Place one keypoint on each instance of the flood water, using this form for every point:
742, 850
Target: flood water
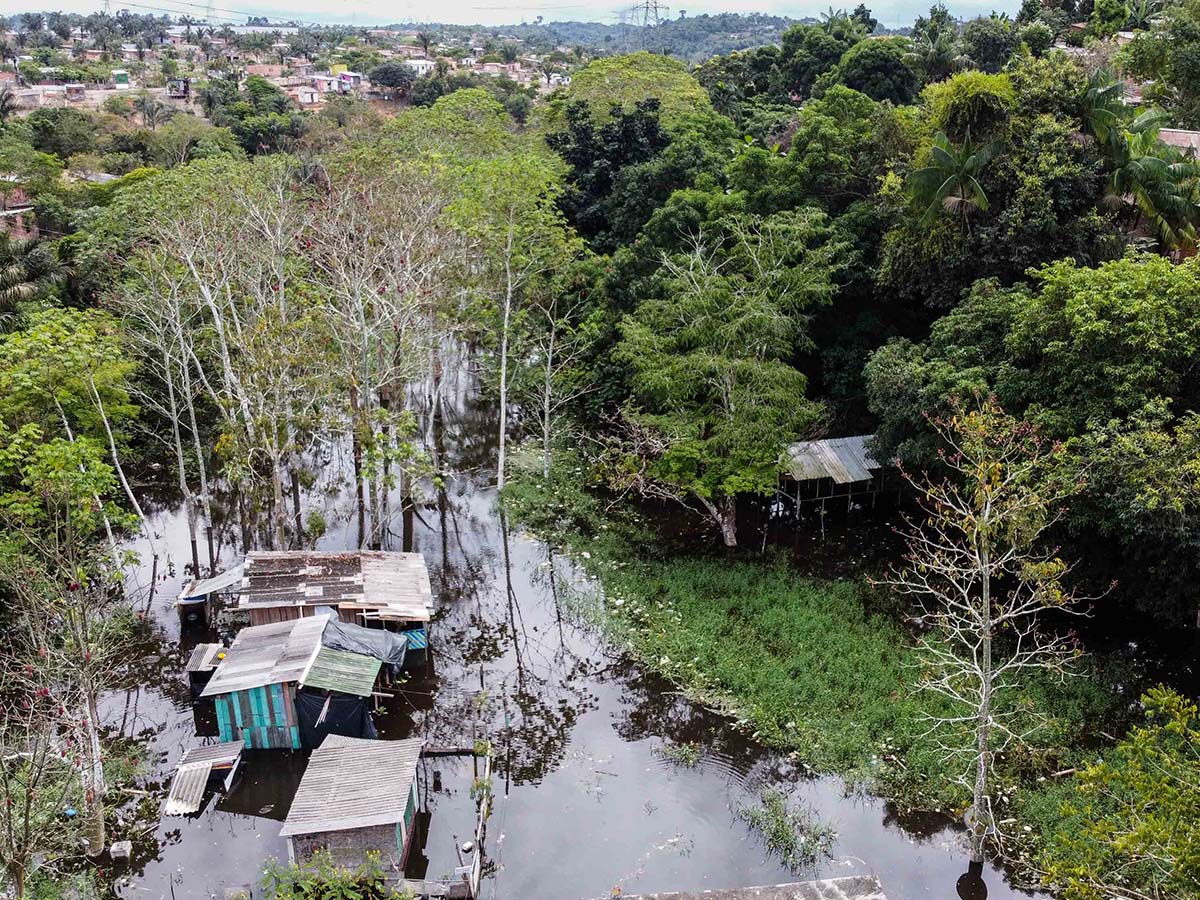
586, 803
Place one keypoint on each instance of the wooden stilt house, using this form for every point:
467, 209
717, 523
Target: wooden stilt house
369, 588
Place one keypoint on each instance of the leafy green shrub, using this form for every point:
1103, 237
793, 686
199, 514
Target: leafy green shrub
970, 102
320, 878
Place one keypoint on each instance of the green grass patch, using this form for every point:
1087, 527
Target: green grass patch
805, 664
686, 755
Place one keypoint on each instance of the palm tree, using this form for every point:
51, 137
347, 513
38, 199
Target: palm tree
1101, 107
154, 111
187, 22
26, 269
1153, 184
936, 54
425, 41
950, 181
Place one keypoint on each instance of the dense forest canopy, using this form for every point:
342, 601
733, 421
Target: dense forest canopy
970, 240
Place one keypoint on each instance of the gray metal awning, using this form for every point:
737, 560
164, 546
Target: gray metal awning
845, 459
213, 585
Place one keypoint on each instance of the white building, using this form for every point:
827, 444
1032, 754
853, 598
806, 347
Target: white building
421, 66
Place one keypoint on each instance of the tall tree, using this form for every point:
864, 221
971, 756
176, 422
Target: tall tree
716, 399
509, 207
977, 567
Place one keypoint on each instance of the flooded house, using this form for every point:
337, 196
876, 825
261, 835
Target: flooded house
279, 687
374, 589
356, 797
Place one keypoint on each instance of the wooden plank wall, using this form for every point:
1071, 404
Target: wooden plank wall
263, 717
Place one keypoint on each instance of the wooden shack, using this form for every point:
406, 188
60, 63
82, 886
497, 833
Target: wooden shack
356, 797
834, 467
276, 686
370, 588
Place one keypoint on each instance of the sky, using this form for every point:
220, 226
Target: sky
488, 12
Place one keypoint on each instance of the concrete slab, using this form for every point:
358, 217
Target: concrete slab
854, 887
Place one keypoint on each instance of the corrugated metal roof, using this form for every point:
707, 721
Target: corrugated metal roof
341, 670
353, 783
267, 654
203, 657
225, 753
394, 585
845, 460
191, 775
217, 583
187, 789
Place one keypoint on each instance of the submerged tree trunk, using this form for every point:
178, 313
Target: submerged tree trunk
94, 785
278, 505
181, 464
299, 521
504, 335
201, 466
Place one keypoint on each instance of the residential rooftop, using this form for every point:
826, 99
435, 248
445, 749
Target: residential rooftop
381, 584
353, 783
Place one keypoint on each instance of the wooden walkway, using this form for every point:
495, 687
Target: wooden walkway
855, 887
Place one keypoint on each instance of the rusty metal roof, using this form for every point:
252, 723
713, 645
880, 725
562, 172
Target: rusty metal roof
845, 459
389, 585
353, 783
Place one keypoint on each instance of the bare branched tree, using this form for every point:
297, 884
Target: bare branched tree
982, 574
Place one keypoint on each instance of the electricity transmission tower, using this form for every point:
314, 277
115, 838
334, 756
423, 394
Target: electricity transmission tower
644, 17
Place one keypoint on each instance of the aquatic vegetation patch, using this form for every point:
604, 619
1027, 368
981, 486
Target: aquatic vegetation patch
791, 831
686, 755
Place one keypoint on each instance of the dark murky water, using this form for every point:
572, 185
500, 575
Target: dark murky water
586, 803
